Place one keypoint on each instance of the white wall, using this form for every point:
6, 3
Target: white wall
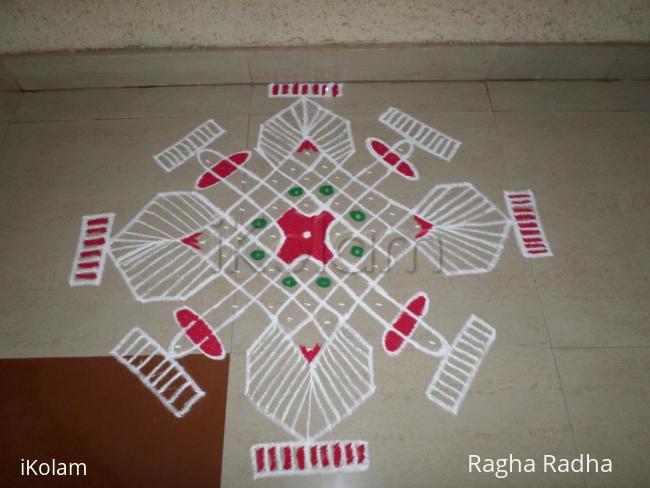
53, 25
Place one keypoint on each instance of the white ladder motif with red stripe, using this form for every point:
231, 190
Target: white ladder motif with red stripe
529, 232
90, 257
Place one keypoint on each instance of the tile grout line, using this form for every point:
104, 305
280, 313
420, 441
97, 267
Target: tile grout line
247, 138
539, 299
248, 131
249, 71
232, 327
502, 149
15, 112
207, 114
579, 348
3, 135
486, 84
114, 119
557, 369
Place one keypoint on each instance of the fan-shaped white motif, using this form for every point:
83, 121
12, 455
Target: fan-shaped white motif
302, 121
159, 252
467, 232
308, 396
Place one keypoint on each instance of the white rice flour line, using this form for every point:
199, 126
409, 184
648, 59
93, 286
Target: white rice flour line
159, 371
308, 396
372, 283
303, 287
276, 372
417, 134
92, 247
308, 90
315, 128
309, 130
133, 243
241, 287
300, 458
185, 149
157, 251
527, 224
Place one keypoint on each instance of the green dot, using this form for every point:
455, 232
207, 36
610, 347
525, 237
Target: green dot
296, 191
357, 251
357, 216
259, 223
323, 281
258, 254
289, 281
326, 190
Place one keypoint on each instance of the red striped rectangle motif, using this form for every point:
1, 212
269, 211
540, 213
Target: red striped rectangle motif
315, 90
325, 457
522, 209
90, 245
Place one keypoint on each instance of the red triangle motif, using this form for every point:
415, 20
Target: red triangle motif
425, 226
310, 353
193, 240
307, 145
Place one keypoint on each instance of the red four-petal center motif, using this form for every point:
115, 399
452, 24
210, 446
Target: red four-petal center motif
304, 234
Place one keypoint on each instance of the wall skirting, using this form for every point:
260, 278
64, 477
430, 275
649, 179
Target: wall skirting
614, 61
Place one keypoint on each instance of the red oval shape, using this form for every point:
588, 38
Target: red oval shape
200, 333
406, 169
378, 146
391, 158
222, 169
405, 324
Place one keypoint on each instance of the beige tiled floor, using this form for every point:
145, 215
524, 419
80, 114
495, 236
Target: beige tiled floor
568, 372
